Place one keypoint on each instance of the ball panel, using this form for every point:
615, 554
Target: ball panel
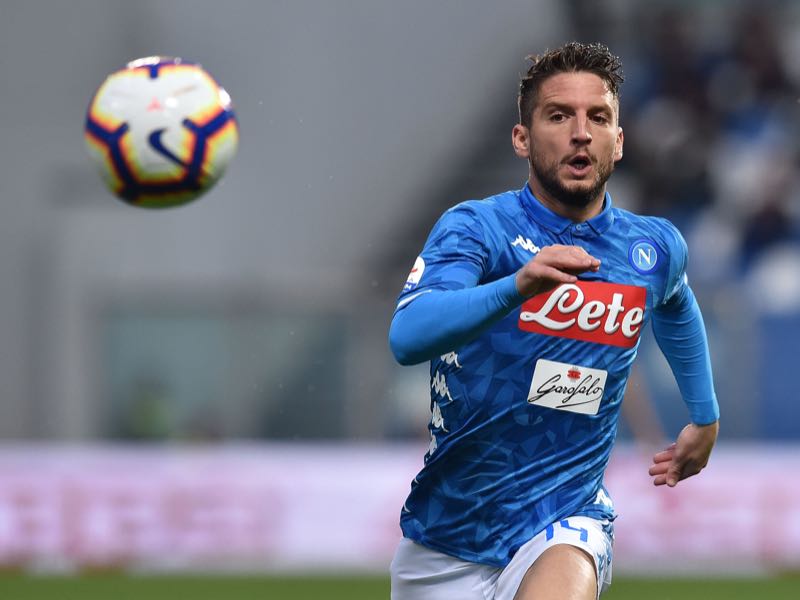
147, 164
167, 200
117, 98
101, 153
221, 146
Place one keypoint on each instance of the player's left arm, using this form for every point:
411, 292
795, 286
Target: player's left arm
680, 332
685, 457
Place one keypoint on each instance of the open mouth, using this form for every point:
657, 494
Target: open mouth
579, 165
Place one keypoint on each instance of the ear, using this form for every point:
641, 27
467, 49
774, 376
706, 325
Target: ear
618, 145
521, 140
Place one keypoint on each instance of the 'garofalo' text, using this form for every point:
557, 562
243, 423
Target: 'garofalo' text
592, 311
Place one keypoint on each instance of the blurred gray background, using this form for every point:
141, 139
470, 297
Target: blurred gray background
261, 310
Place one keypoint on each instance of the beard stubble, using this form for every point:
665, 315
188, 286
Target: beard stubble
578, 197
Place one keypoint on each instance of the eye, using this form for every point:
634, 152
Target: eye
558, 117
600, 119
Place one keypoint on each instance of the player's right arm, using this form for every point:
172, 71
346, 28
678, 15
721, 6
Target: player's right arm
448, 306
441, 320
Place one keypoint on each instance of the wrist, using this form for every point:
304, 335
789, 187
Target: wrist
524, 284
513, 289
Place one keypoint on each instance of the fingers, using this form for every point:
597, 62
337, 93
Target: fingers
666, 474
570, 258
685, 458
675, 464
553, 266
555, 275
665, 469
660, 480
660, 472
674, 475
666, 454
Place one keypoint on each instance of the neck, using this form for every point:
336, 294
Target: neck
576, 214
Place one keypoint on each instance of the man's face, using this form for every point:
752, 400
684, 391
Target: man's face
573, 141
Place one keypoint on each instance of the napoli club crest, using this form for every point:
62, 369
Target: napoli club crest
643, 256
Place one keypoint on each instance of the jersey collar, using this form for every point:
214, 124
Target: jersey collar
558, 224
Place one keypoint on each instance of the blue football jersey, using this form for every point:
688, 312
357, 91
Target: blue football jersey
524, 415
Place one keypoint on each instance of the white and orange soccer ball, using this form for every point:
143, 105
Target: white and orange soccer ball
162, 131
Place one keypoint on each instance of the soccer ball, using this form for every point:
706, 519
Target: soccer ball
161, 130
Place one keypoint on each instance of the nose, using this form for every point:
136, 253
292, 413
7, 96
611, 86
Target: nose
580, 132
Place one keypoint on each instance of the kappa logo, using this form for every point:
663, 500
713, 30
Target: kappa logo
439, 386
591, 311
526, 244
451, 358
437, 420
602, 498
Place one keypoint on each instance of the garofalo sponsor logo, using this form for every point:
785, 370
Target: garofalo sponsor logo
567, 387
592, 311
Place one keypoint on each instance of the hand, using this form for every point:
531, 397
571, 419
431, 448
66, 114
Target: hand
687, 456
551, 267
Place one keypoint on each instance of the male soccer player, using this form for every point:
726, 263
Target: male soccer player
529, 306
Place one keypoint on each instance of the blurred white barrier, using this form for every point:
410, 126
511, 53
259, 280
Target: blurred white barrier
741, 514
281, 507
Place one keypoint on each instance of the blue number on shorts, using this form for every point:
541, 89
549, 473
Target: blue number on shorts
565, 525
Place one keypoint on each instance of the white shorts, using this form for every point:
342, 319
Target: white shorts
419, 573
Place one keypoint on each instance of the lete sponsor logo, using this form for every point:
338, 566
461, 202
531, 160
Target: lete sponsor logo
591, 311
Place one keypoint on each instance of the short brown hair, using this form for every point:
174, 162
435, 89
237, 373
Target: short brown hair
571, 57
